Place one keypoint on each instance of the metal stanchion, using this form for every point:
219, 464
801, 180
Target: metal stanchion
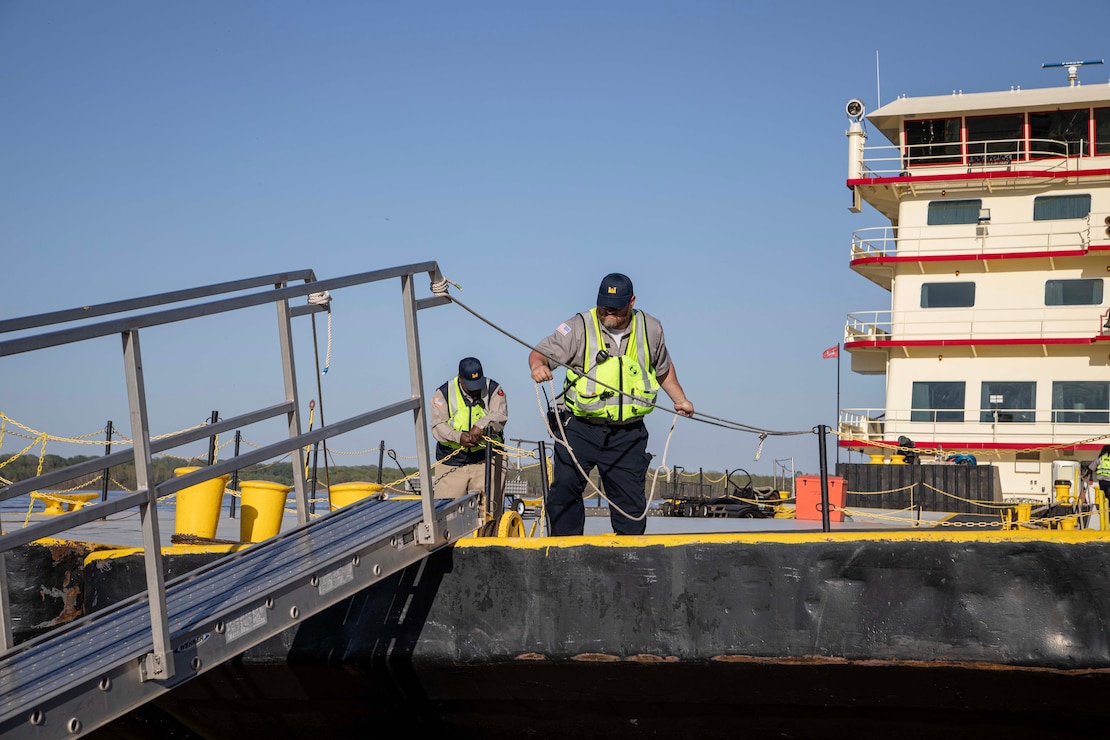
822, 431
107, 451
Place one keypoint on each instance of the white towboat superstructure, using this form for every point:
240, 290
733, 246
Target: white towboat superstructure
996, 342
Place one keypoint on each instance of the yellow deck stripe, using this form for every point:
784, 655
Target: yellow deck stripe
1072, 537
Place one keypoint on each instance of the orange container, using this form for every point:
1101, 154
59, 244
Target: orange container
809, 497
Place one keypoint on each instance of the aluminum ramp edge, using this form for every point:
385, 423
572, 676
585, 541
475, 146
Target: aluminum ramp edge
79, 677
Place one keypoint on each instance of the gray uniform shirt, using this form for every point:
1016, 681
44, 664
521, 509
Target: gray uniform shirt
568, 342
497, 414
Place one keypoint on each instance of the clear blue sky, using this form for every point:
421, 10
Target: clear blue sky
529, 148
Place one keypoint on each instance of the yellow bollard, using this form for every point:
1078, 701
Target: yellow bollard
1063, 492
342, 494
877, 459
262, 507
897, 459
1024, 512
198, 506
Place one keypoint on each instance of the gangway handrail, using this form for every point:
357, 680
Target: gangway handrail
133, 304
130, 323
159, 664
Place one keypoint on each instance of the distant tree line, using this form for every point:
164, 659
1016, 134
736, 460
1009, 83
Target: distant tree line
709, 483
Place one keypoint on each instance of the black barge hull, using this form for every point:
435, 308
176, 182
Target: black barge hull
710, 635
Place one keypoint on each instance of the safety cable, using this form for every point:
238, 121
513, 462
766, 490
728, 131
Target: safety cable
439, 288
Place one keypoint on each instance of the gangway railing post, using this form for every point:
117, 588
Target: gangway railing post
107, 451
7, 640
213, 419
235, 474
381, 460
157, 664
429, 534
289, 372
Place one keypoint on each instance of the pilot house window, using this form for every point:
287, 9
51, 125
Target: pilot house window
1058, 132
934, 141
1102, 130
994, 139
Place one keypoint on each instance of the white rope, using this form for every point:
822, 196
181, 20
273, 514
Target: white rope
566, 443
323, 299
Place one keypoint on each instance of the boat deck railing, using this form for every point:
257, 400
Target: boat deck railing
995, 155
976, 427
112, 661
1013, 238
970, 324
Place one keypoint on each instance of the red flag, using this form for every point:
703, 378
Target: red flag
831, 352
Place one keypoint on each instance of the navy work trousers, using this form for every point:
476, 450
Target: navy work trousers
619, 452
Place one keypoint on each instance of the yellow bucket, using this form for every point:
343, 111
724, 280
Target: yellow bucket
198, 506
262, 508
342, 494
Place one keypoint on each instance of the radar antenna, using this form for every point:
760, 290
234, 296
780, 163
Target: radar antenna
1073, 68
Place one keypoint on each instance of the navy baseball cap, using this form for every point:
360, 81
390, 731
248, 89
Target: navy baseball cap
470, 374
615, 291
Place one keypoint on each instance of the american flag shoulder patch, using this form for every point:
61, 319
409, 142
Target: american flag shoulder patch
563, 329
438, 400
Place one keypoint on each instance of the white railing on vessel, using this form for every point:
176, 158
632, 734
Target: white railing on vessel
1047, 155
975, 239
920, 425
1065, 322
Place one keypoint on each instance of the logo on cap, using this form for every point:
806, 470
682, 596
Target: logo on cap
473, 375
612, 290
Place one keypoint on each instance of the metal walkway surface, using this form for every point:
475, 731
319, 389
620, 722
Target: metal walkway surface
61, 685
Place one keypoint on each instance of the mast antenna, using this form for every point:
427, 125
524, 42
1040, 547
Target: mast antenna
878, 91
1073, 68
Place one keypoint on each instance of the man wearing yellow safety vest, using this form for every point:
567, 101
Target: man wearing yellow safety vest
1100, 469
617, 361
465, 409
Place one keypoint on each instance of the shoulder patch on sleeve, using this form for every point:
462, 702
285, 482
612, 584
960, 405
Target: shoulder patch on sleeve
438, 400
500, 392
563, 329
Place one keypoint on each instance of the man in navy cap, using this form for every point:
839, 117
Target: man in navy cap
616, 360
465, 409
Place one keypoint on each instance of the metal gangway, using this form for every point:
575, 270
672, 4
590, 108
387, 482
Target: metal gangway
82, 675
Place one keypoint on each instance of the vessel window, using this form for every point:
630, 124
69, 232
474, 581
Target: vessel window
945, 212
947, 295
933, 141
1102, 130
937, 401
1085, 292
994, 139
1056, 207
1080, 402
1014, 402
1058, 133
